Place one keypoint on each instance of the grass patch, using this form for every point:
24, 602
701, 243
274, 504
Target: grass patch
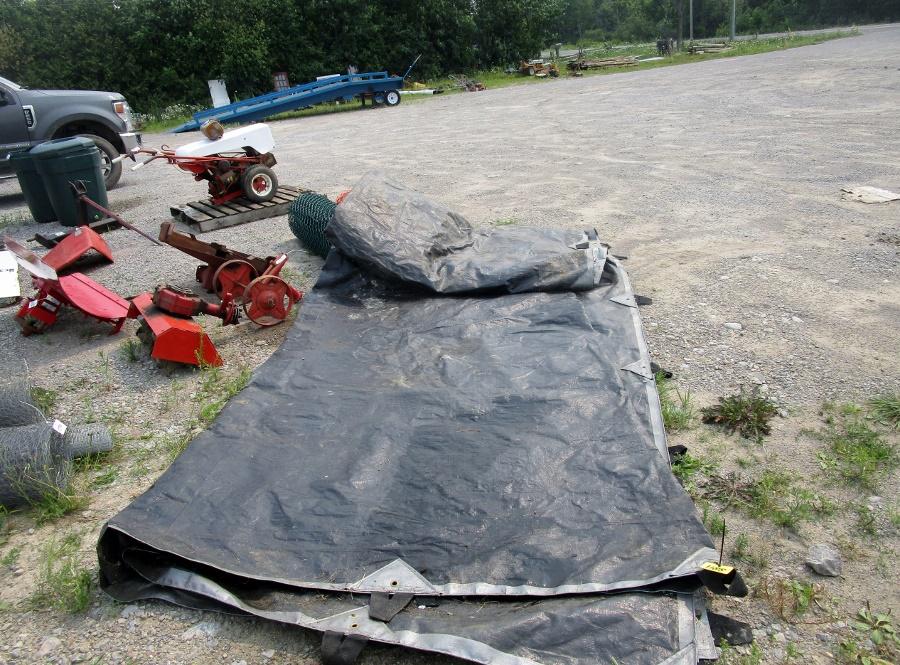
713, 521
216, 389
44, 399
772, 496
753, 554
687, 467
131, 349
886, 410
858, 454
106, 478
746, 412
790, 599
62, 583
730, 656
56, 503
677, 409
10, 558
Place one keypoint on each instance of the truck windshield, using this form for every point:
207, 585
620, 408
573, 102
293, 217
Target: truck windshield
10, 84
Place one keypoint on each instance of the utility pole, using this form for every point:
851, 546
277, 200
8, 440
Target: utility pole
691, 29
733, 12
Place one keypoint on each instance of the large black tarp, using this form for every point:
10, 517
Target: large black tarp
459, 414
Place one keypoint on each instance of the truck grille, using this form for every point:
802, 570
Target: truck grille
29, 116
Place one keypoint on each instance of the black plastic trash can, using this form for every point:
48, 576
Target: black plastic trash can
62, 161
32, 185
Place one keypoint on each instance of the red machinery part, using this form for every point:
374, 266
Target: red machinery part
232, 277
74, 246
187, 304
268, 300
172, 338
77, 291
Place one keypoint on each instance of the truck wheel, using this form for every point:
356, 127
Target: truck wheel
111, 172
259, 183
392, 98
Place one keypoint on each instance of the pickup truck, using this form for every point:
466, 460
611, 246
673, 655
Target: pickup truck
29, 117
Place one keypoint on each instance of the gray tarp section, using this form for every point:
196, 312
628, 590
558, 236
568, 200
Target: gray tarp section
457, 414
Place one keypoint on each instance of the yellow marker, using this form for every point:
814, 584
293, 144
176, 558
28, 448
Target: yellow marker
713, 567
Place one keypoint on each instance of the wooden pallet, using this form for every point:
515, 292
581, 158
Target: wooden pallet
203, 216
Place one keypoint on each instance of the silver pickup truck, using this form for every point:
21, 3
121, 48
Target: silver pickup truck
29, 117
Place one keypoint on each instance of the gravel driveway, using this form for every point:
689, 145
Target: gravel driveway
720, 181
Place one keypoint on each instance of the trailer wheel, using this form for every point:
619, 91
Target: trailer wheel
392, 98
259, 183
378, 98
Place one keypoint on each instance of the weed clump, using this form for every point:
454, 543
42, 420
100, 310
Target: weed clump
886, 410
747, 413
773, 495
790, 599
677, 408
858, 453
62, 583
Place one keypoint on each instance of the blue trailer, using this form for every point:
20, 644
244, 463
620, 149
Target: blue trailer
377, 85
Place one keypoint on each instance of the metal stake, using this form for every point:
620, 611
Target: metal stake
733, 12
691, 30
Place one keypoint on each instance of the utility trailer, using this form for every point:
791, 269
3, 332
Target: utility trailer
379, 86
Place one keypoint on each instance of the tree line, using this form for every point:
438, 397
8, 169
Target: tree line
160, 52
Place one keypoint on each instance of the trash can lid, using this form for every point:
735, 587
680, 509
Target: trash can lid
73, 145
20, 156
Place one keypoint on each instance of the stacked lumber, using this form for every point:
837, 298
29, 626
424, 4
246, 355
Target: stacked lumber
602, 63
707, 47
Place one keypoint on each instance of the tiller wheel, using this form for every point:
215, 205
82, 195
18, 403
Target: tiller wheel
268, 300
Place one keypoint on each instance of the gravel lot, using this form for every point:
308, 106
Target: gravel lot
720, 181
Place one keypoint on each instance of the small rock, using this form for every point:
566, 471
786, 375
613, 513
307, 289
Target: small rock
268, 654
130, 611
202, 629
874, 502
779, 637
824, 560
734, 326
832, 281
48, 646
796, 319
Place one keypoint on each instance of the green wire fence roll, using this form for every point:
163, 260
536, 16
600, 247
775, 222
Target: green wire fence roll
308, 217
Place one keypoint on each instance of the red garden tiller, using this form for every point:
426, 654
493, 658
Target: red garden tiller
235, 163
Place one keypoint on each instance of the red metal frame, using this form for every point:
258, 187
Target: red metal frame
77, 291
74, 246
206, 168
176, 339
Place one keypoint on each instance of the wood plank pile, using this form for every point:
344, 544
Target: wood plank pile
603, 63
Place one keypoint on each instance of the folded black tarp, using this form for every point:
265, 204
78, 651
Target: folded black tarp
464, 415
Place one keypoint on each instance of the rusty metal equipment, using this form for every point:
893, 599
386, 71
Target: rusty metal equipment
40, 311
180, 302
223, 267
234, 163
172, 338
538, 68
250, 281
